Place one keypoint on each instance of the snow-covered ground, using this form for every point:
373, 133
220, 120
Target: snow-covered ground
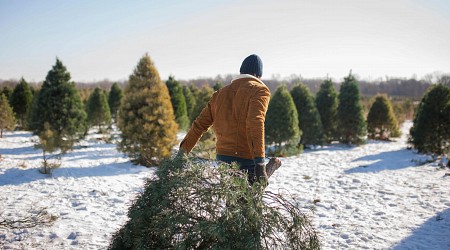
375, 196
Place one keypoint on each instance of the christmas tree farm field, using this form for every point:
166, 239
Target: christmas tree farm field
376, 196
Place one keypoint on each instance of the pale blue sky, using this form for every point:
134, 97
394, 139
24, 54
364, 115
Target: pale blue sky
189, 39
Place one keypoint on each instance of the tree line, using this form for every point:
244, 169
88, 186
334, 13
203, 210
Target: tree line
411, 88
149, 112
296, 119
333, 116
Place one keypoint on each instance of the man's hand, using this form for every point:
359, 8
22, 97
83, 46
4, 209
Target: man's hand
260, 173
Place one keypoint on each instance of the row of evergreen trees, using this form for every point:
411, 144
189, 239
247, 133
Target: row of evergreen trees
23, 100
150, 112
55, 112
188, 101
296, 118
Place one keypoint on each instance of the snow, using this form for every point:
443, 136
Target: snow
375, 196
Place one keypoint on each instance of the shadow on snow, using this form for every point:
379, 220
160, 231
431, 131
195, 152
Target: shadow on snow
18, 176
16, 134
433, 234
330, 147
90, 152
18, 151
391, 160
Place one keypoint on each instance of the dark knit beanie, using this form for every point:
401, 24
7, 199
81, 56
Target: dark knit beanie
252, 65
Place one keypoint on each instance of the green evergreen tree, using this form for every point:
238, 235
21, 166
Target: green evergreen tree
308, 117
20, 101
431, 126
202, 98
114, 97
194, 90
350, 113
281, 125
189, 99
403, 109
58, 104
33, 104
196, 94
146, 116
327, 104
7, 120
33, 90
217, 86
7, 91
381, 121
98, 111
178, 102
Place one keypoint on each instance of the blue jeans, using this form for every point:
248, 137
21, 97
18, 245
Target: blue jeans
245, 165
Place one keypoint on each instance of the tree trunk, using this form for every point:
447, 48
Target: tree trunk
272, 166
98, 123
45, 161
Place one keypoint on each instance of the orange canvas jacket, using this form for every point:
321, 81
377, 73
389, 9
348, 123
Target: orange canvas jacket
237, 113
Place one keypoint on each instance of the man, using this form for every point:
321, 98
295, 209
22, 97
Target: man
237, 113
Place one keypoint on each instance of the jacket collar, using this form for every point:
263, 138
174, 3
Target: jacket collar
241, 76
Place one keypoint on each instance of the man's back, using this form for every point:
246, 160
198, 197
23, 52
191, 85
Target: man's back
238, 112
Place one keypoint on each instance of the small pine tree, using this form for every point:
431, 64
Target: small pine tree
281, 125
33, 90
7, 120
98, 111
399, 113
327, 103
84, 94
308, 117
381, 121
408, 109
202, 98
431, 126
178, 102
21, 100
217, 86
114, 97
49, 143
146, 116
350, 113
189, 99
194, 90
58, 104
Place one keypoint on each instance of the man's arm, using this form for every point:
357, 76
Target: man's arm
201, 124
256, 116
